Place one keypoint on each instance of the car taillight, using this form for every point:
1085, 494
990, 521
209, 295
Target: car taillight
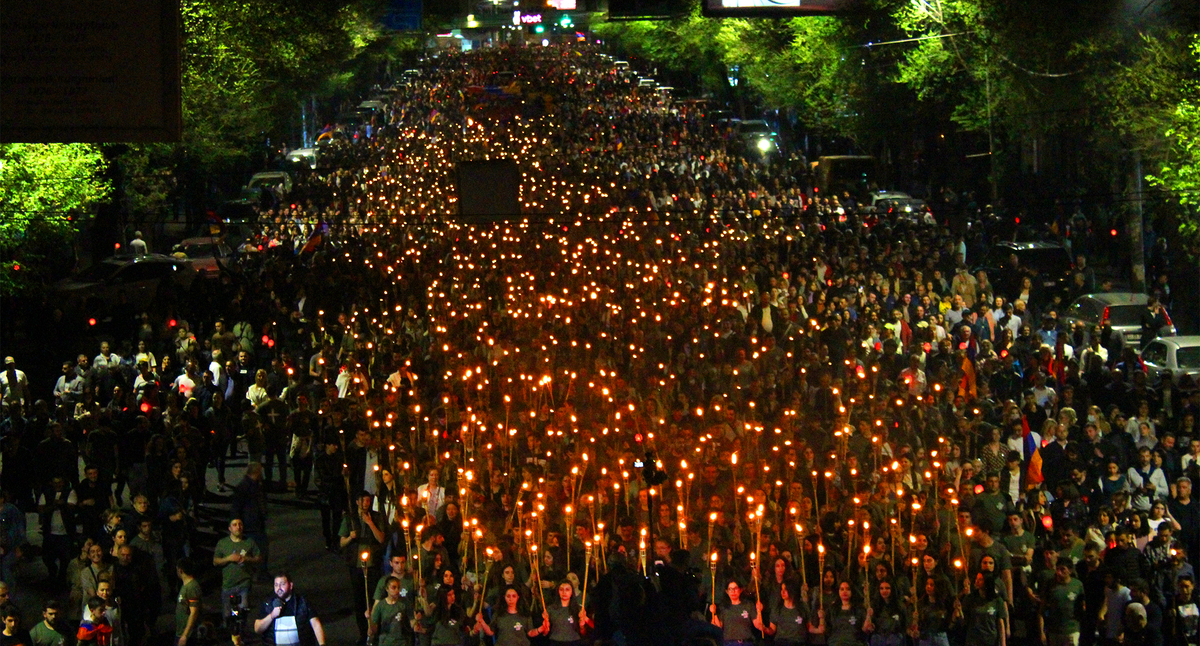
1104, 318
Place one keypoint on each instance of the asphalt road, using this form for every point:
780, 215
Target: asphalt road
296, 545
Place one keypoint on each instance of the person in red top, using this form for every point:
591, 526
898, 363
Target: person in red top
95, 631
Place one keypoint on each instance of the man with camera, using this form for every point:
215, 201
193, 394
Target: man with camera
287, 620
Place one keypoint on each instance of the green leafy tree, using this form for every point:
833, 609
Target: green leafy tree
684, 45
46, 190
248, 63
1179, 172
801, 63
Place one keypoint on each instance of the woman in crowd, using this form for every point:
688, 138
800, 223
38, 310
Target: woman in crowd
845, 619
888, 619
446, 624
935, 613
510, 625
738, 619
984, 612
389, 622
789, 624
566, 617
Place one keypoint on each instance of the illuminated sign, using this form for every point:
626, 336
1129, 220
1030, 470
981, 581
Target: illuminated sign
531, 18
775, 8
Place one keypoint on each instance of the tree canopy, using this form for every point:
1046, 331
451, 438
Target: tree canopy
1179, 172
1066, 96
45, 190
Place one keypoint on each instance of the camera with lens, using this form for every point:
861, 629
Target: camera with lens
234, 623
650, 472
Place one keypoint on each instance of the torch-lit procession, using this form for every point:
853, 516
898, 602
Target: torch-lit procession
679, 396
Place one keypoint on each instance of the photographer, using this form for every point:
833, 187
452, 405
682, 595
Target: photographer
287, 620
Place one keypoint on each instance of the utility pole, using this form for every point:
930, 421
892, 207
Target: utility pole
1134, 220
987, 83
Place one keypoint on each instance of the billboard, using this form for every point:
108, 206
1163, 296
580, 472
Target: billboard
403, 15
775, 8
646, 9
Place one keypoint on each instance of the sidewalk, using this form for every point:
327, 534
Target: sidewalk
296, 545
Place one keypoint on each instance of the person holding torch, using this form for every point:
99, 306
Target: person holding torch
566, 618
361, 538
738, 620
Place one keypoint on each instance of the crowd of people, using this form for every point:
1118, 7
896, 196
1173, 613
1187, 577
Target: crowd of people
679, 398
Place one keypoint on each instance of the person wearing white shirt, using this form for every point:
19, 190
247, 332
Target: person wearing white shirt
1014, 324
14, 385
138, 245
184, 384
257, 393
431, 495
1149, 483
1133, 425
112, 612
914, 377
1193, 455
1016, 441
217, 366
106, 358
1094, 348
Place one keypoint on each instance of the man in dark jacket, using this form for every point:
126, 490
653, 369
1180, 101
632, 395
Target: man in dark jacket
1125, 559
1154, 318
331, 489
250, 504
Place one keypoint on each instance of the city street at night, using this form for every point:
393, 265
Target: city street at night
855, 324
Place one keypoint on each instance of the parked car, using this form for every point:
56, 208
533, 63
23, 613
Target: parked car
1121, 310
303, 156
1172, 358
1048, 262
207, 255
123, 279
270, 180
908, 207
758, 138
371, 106
899, 206
878, 197
236, 233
